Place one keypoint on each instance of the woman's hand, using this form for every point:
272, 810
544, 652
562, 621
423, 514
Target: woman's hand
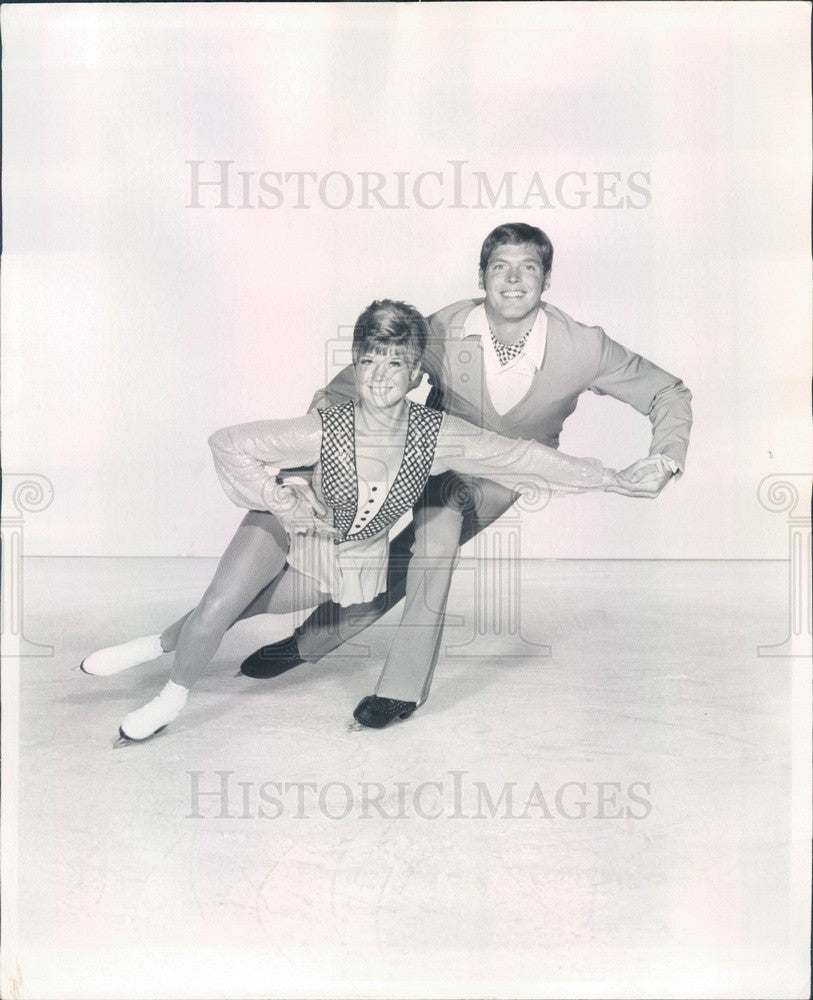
644, 478
300, 511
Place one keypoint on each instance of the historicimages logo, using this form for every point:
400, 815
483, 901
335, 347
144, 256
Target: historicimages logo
225, 184
223, 795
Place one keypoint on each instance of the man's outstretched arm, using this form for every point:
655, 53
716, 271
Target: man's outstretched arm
657, 394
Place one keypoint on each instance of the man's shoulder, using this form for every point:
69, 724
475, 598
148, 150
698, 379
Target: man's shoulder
573, 326
453, 316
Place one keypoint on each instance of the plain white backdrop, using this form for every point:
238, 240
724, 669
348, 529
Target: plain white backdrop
133, 325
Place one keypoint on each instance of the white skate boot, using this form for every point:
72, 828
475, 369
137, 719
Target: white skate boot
154, 716
114, 659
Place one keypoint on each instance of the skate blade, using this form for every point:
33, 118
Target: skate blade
123, 740
80, 666
355, 727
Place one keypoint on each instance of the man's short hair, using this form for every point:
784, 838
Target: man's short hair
517, 232
387, 324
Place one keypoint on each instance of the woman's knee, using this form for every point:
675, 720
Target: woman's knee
214, 613
268, 523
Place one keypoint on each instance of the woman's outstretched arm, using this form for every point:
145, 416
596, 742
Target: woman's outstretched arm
519, 464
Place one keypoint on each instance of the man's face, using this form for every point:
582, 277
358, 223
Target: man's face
382, 380
513, 280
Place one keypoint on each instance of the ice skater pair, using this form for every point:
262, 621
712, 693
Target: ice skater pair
517, 365
372, 457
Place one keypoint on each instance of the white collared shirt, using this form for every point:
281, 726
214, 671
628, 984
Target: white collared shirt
508, 384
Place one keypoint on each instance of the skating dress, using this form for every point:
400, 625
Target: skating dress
353, 567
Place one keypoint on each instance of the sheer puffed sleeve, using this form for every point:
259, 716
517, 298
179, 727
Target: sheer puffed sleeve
524, 466
248, 458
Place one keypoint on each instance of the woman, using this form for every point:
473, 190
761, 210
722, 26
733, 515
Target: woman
371, 461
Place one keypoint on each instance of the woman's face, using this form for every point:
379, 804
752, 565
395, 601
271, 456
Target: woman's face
384, 379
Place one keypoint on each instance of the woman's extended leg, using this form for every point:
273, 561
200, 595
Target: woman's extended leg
114, 659
254, 557
170, 636
290, 591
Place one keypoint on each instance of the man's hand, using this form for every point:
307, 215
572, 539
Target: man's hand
300, 511
644, 478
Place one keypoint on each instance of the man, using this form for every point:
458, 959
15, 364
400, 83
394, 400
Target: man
517, 366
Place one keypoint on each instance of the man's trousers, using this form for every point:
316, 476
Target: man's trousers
422, 559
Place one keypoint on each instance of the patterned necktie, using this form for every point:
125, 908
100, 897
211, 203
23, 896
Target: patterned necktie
507, 352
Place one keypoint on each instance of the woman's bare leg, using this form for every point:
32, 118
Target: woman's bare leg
254, 557
290, 591
171, 635
276, 536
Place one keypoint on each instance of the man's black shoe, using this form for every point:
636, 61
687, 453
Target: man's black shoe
273, 660
378, 712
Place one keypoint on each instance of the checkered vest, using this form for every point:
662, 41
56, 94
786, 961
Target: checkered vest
340, 486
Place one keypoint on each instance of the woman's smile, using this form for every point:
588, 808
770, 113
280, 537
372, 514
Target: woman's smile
384, 379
